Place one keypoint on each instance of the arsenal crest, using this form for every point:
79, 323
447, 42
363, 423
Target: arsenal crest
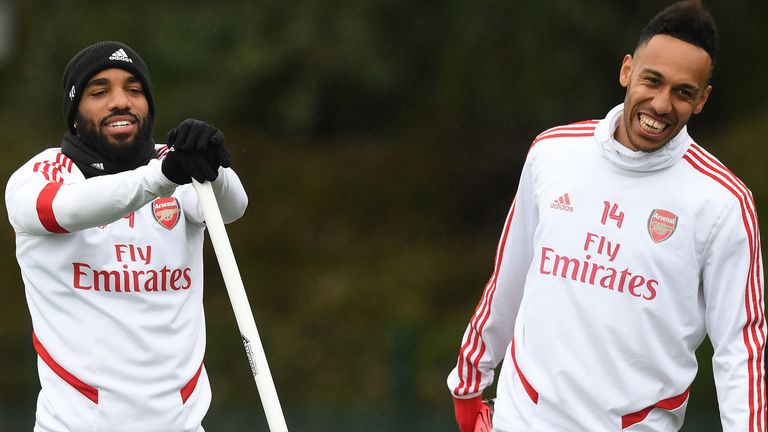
166, 211
661, 225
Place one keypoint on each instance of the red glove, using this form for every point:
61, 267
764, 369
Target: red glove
466, 411
484, 418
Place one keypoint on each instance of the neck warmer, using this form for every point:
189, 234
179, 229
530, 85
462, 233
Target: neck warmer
625, 158
93, 164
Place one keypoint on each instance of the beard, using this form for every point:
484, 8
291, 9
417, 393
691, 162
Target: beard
122, 151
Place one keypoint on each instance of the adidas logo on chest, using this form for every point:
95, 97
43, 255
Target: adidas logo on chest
563, 202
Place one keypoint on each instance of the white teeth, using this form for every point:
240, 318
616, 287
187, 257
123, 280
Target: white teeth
120, 123
651, 125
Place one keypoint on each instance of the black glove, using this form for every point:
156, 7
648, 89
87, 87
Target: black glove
197, 151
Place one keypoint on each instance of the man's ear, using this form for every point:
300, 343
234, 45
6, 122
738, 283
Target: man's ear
702, 100
626, 70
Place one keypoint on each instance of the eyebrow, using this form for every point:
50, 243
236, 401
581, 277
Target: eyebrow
658, 74
105, 81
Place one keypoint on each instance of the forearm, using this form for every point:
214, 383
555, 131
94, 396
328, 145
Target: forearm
40, 207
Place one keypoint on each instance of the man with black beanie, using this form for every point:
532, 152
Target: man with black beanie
109, 239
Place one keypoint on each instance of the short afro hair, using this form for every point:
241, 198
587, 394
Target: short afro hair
688, 21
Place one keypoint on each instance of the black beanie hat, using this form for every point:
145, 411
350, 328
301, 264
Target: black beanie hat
94, 59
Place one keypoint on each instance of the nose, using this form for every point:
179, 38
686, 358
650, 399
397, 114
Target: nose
662, 102
119, 100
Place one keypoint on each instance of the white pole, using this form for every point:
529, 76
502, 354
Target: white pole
241, 307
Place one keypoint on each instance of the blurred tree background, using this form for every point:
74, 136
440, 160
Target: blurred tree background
380, 142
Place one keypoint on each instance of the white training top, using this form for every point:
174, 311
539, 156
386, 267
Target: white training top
113, 270
612, 267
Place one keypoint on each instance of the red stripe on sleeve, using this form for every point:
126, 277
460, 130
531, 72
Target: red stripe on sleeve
87, 391
45, 208
574, 130
754, 338
474, 347
562, 135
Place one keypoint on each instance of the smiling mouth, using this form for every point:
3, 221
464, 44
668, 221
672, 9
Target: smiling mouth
120, 123
652, 126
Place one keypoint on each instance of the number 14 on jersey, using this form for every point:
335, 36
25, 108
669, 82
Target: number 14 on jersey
611, 211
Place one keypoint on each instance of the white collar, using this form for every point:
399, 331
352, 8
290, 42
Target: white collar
625, 158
